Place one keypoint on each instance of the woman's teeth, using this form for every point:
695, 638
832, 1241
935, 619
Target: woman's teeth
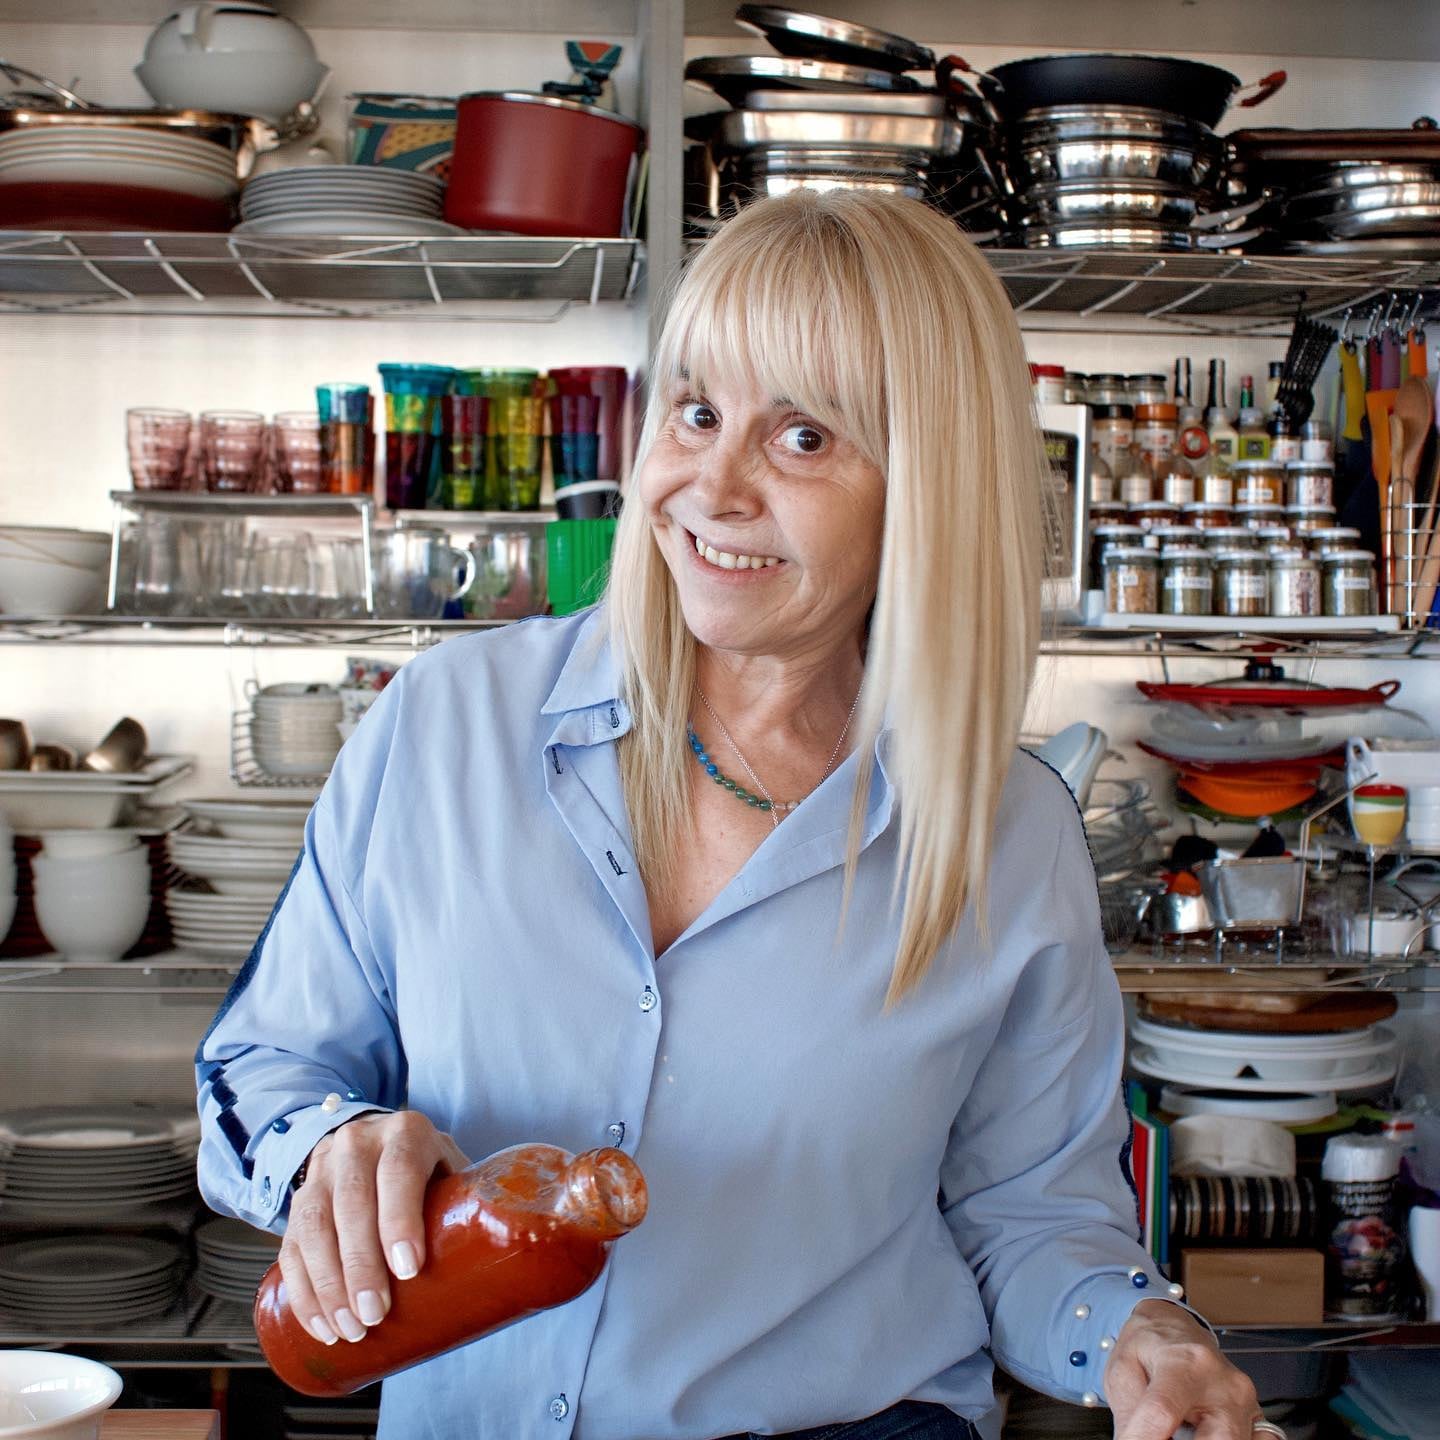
726, 561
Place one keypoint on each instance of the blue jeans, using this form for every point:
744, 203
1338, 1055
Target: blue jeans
909, 1420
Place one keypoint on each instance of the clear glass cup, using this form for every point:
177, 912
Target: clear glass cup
158, 442
282, 576
231, 442
299, 467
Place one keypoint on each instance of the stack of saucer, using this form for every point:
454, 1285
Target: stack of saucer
293, 729
232, 1258
65, 1282
242, 879
344, 200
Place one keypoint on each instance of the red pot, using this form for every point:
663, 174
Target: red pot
539, 165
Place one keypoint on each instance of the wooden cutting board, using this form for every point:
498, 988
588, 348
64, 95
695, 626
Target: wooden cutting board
1324, 1013
160, 1425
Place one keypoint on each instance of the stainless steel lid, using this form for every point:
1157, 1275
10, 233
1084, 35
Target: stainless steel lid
818, 37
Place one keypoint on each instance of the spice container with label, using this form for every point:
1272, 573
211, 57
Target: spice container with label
1230, 537
1162, 537
1242, 583
1075, 384
1177, 487
1258, 482
1108, 537
1188, 582
1310, 519
1107, 390
1132, 580
1148, 389
1259, 517
1294, 585
1349, 582
1337, 537
1108, 512
1364, 1253
1310, 482
1216, 486
1155, 433
1284, 442
1205, 515
1315, 442
1112, 430
1102, 478
1047, 383
1153, 513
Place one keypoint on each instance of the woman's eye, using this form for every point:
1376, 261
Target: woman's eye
803, 439
698, 415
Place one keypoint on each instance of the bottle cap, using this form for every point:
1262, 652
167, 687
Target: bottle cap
1157, 412
1360, 1158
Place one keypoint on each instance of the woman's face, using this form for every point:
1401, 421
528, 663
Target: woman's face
769, 521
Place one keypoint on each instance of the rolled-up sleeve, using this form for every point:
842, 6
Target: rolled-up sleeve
1035, 1185
311, 1013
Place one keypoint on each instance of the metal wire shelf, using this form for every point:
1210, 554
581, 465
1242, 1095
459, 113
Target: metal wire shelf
52, 272
177, 973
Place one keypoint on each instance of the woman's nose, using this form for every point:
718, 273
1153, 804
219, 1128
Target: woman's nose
724, 483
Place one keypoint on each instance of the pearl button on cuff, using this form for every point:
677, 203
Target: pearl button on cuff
1175, 1292
1090, 1398
331, 1103
1082, 1312
1107, 1342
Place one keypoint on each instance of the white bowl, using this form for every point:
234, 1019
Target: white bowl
45, 571
84, 844
47, 1396
89, 928
236, 82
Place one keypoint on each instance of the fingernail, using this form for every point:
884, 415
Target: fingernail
321, 1331
403, 1260
349, 1326
371, 1307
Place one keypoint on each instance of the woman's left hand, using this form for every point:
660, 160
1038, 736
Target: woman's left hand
1167, 1371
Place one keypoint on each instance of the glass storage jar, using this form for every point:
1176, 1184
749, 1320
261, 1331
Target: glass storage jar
1156, 428
1308, 519
1349, 583
1108, 512
1258, 482
1153, 513
1206, 515
1148, 389
1162, 537
1132, 580
1337, 537
1178, 487
1294, 584
1309, 482
1107, 537
1217, 488
1260, 517
1188, 580
1242, 583
1230, 537
1107, 390
1112, 431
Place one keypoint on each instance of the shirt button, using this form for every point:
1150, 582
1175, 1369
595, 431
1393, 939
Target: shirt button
559, 1407
616, 1131
265, 1188
648, 999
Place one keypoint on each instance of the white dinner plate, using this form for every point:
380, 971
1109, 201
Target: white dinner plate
89, 1257
116, 1128
1145, 1061
99, 170
346, 224
345, 174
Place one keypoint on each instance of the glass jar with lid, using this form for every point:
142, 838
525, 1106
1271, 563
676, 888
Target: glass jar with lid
1132, 580
1107, 390
1315, 441
1230, 537
1075, 384
1242, 583
1258, 482
1309, 482
1162, 537
1187, 584
1308, 519
1108, 537
1178, 487
1135, 485
1153, 513
1348, 586
1276, 537
1336, 537
1047, 384
1148, 389
1216, 487
1294, 584
1260, 517
1108, 512
1155, 431
1205, 515
1112, 432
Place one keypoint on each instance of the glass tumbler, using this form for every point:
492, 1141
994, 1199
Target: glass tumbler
230, 450
574, 438
347, 441
519, 422
299, 467
157, 441
462, 478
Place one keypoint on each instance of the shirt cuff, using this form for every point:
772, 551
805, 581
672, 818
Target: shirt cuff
279, 1153
1097, 1309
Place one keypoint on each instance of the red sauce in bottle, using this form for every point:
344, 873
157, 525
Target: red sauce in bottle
523, 1230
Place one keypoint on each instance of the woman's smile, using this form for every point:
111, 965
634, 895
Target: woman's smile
731, 563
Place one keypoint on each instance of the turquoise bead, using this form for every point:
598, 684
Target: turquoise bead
712, 769
766, 805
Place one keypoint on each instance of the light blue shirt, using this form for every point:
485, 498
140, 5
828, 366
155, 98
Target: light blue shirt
847, 1207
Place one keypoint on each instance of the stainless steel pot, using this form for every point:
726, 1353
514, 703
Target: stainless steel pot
787, 184
1126, 235
1046, 159
1174, 914
1145, 202
896, 165
1326, 205
1361, 177
920, 102
815, 131
1088, 122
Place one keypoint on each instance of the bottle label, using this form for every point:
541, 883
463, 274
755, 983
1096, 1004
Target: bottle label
1285, 447
1351, 582
1248, 587
1189, 582
1363, 1253
1219, 490
1254, 447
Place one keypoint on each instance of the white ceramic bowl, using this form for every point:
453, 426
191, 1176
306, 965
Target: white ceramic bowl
85, 844
235, 82
45, 571
47, 1396
94, 907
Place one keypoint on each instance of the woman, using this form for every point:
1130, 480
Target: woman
743, 874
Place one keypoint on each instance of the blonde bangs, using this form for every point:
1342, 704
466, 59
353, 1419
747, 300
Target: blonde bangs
878, 318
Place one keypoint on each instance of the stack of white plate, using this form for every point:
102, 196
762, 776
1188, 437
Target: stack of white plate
231, 1259
1264, 1064
95, 1161
88, 1282
277, 819
118, 156
344, 200
294, 729
223, 926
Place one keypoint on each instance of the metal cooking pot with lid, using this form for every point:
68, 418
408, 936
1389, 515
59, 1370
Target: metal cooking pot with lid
805, 36
737, 131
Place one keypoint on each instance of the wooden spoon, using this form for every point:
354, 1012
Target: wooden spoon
1415, 412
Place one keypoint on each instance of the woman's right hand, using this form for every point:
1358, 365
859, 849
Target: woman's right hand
359, 1218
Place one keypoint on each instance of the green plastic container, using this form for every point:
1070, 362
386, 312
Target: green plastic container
578, 554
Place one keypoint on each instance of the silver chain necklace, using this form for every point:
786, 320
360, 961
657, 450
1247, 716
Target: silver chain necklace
777, 807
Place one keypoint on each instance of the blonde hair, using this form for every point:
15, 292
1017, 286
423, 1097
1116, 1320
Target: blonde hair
877, 317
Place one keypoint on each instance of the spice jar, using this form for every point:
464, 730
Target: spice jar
1257, 517
1310, 482
1148, 389
1106, 537
1217, 488
1162, 537
1155, 431
1242, 583
1153, 513
1308, 519
1205, 515
1284, 441
1108, 512
1132, 580
1315, 442
1112, 432
1178, 487
1258, 482
1047, 384
1075, 384
1335, 537
1294, 584
1230, 537
1349, 583
1276, 537
1107, 390
1188, 582
1136, 485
